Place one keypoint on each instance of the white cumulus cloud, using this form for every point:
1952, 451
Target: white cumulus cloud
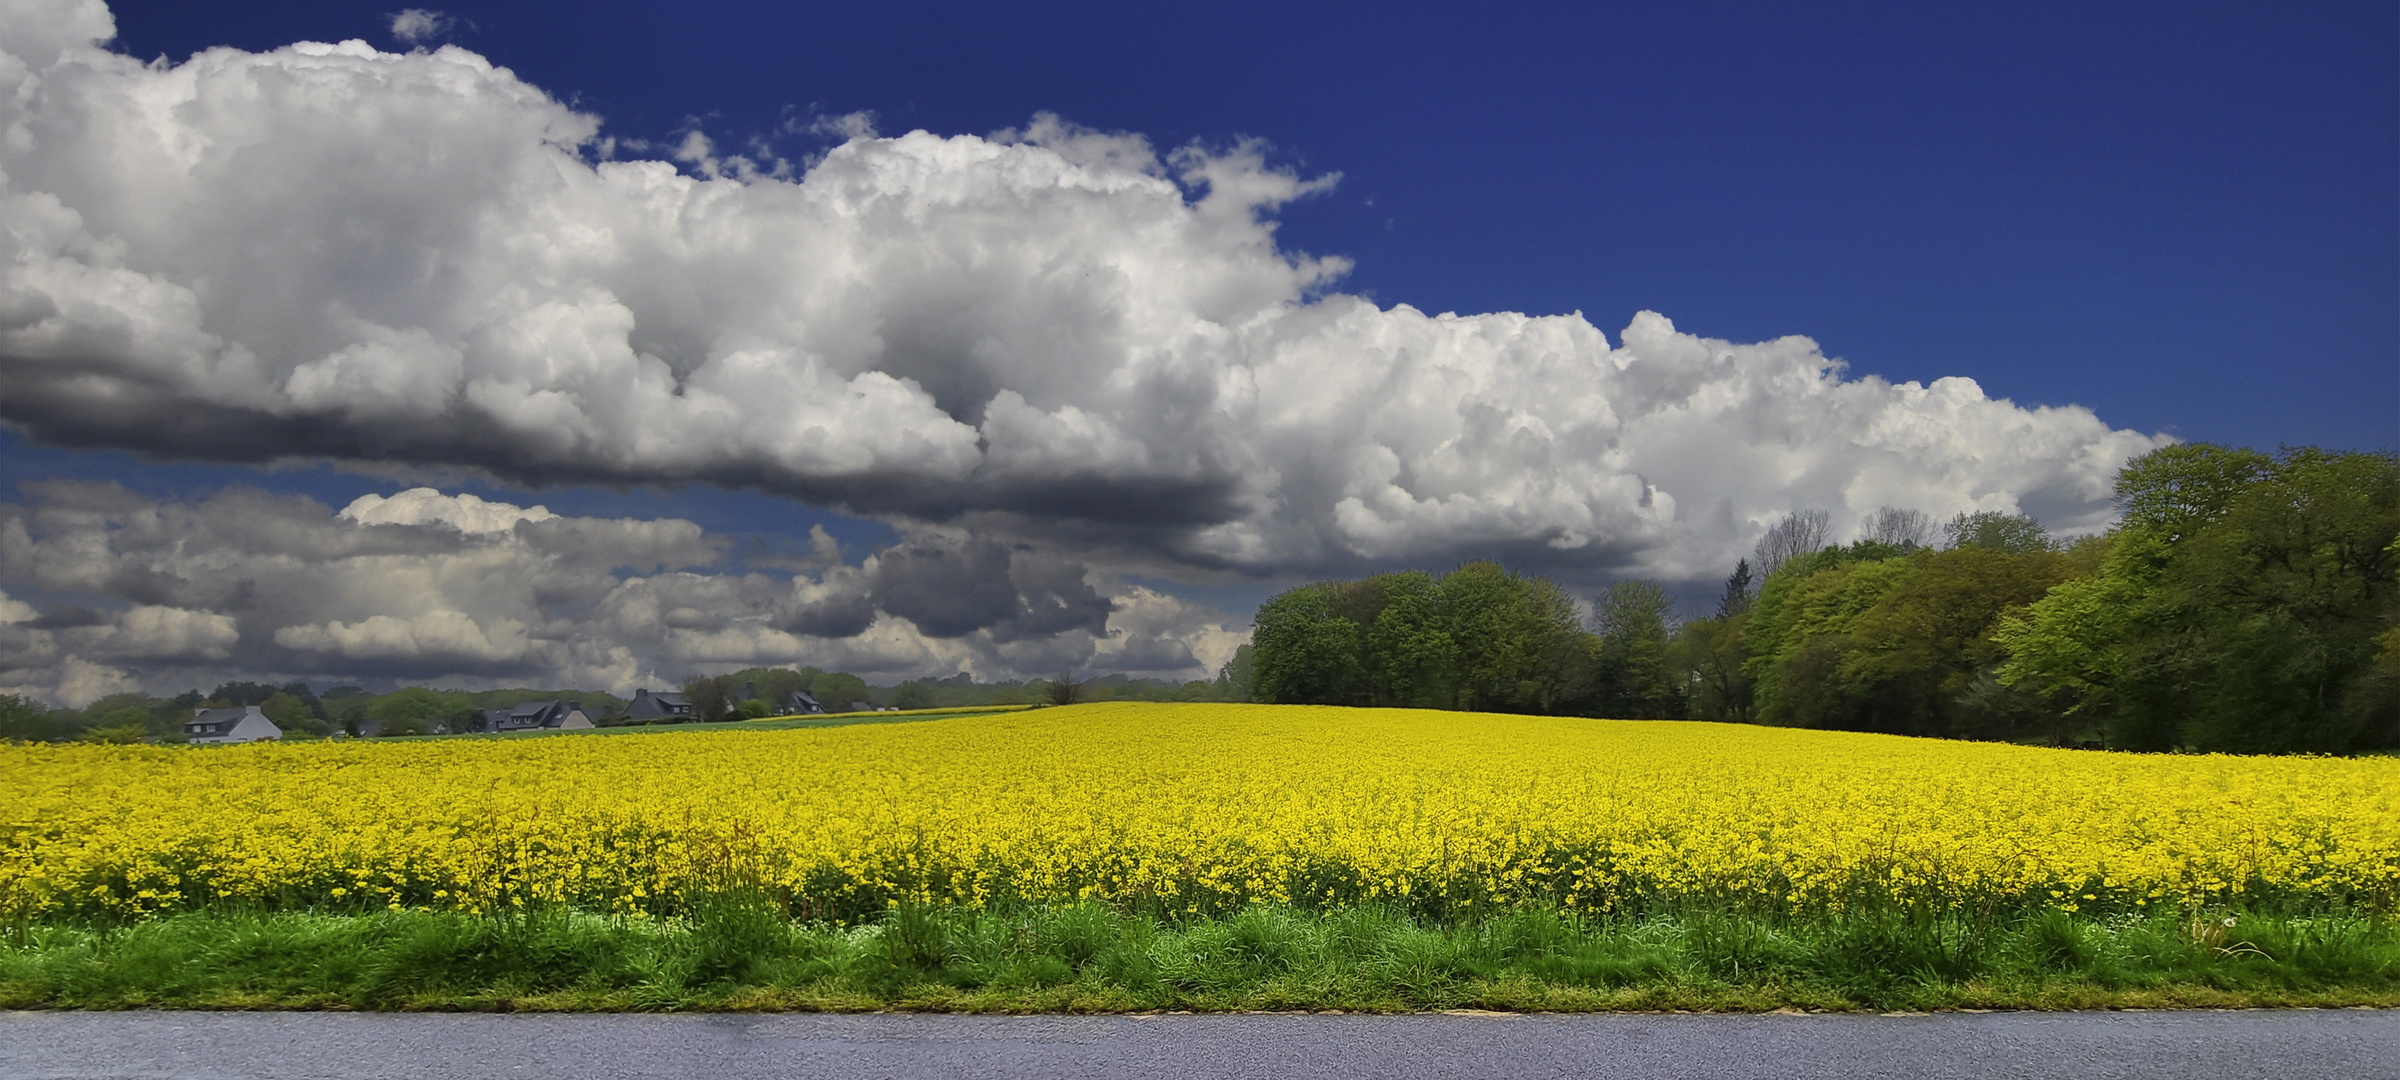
418, 25
424, 505
1046, 336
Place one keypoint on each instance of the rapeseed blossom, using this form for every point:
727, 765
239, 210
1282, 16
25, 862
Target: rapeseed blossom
1188, 808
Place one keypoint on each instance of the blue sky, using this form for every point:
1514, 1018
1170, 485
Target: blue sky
2181, 215
891, 378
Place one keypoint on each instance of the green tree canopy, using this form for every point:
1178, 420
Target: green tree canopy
416, 710
1632, 677
1873, 638
23, 719
292, 715
1991, 530
1478, 637
1303, 653
2242, 606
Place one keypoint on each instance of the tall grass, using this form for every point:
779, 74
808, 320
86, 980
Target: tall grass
739, 951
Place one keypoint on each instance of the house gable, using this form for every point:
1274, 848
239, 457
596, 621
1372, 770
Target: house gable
246, 724
649, 706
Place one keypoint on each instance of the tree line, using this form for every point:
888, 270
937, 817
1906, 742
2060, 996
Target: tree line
419, 710
720, 696
301, 712
2246, 602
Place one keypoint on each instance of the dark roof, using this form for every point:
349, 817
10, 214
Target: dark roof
646, 705
218, 716
529, 714
222, 721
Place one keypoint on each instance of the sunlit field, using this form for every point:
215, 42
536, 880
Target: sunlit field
1192, 809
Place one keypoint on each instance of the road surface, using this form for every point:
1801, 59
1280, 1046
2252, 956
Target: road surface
2282, 1045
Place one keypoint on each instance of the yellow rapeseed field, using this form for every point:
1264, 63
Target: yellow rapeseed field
1188, 808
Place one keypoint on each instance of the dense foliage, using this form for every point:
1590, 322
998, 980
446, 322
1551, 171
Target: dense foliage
2248, 602
1478, 638
836, 690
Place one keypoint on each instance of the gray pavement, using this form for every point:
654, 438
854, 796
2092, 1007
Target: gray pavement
2284, 1045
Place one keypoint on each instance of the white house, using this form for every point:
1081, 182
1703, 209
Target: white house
245, 724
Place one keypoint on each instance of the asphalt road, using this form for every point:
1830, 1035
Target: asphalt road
2291, 1045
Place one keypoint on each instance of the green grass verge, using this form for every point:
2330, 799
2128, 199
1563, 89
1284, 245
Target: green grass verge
736, 956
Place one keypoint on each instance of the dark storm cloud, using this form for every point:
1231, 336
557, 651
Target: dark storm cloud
67, 618
423, 587
948, 588
951, 587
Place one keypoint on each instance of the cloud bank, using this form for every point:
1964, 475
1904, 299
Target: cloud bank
1045, 336
139, 593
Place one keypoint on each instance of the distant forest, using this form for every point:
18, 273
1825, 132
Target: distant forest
718, 696
416, 710
2246, 602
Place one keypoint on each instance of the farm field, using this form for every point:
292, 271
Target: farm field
1191, 809
1179, 818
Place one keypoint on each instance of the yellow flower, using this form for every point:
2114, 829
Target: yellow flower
1188, 807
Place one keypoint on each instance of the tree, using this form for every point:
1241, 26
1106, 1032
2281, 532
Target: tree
1634, 619
2241, 606
711, 697
1705, 660
1798, 631
1478, 638
2301, 570
1065, 689
1304, 653
292, 715
2070, 646
346, 708
2373, 701
1739, 591
1408, 651
834, 689
159, 719
1918, 658
299, 691
1797, 534
1506, 634
2174, 490
2016, 534
415, 710
1907, 530
1235, 678
914, 695
23, 719
1873, 638
238, 694
120, 727
772, 685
